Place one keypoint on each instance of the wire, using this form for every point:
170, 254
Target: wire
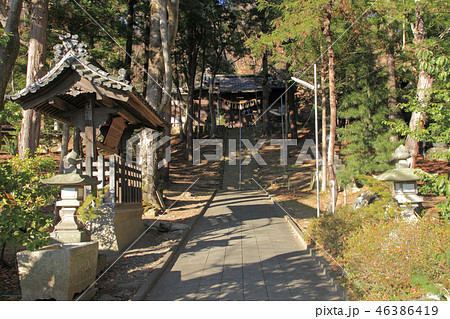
320, 56
129, 55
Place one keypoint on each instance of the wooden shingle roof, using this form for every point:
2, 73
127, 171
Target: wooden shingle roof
61, 93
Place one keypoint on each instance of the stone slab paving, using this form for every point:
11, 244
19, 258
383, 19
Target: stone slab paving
243, 249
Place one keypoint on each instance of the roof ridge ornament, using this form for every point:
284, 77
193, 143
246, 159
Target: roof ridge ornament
70, 43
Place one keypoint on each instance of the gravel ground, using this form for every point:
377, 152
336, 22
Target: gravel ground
128, 274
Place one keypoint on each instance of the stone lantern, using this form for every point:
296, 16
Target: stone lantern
405, 182
62, 270
69, 230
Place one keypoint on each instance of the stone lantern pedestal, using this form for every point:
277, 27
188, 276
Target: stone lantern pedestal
69, 230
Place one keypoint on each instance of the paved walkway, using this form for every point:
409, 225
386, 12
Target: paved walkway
243, 249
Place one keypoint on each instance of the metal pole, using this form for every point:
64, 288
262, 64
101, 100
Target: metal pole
283, 138
240, 140
317, 139
333, 189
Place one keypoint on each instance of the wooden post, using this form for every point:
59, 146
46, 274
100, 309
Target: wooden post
122, 185
77, 142
112, 178
101, 171
64, 143
89, 131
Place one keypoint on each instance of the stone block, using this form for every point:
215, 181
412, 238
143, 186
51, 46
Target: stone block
101, 264
117, 227
57, 271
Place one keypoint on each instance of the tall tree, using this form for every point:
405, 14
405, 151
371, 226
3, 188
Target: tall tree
426, 60
37, 53
163, 28
188, 45
130, 33
224, 34
332, 88
8, 53
424, 81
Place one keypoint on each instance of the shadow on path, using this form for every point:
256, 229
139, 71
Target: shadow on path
243, 249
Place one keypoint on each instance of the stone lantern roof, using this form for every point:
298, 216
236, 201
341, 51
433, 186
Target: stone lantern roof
403, 171
399, 175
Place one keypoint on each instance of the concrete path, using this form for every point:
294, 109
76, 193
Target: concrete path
243, 249
248, 169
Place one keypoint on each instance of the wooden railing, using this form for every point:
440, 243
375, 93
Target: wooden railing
124, 180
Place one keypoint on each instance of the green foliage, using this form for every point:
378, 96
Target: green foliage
333, 231
89, 209
364, 105
23, 195
386, 257
66, 16
12, 115
10, 145
437, 185
3, 37
398, 260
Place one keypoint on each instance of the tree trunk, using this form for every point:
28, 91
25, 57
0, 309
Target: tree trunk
191, 81
293, 112
173, 10
391, 83
166, 94
332, 84
163, 28
424, 85
156, 61
324, 127
164, 171
31, 121
146, 54
129, 43
212, 109
149, 170
266, 95
200, 92
9, 53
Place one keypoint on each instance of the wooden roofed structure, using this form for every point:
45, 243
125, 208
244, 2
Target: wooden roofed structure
78, 91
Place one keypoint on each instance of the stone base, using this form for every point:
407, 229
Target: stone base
101, 264
57, 271
117, 227
70, 236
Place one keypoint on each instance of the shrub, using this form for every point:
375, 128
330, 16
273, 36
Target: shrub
90, 209
22, 196
398, 260
332, 231
437, 185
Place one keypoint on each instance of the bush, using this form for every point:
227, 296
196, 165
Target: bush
22, 196
398, 260
332, 231
386, 257
437, 185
